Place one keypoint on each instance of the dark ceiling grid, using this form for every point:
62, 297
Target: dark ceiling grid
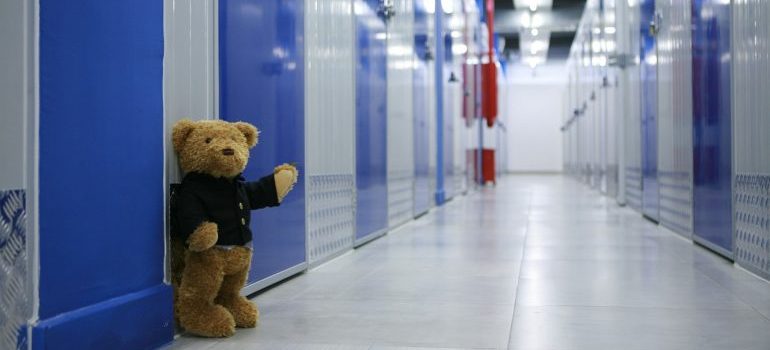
560, 42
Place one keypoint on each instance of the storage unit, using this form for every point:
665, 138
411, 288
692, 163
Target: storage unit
611, 126
751, 160
629, 43
400, 114
371, 120
451, 117
712, 130
598, 97
649, 103
689, 111
675, 115
423, 179
330, 119
268, 35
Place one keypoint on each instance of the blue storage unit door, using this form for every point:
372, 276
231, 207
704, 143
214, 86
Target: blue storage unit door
712, 158
649, 79
101, 199
262, 82
422, 192
371, 124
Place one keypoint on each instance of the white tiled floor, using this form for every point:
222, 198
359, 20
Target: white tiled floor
540, 262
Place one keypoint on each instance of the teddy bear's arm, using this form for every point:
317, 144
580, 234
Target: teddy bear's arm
262, 193
204, 237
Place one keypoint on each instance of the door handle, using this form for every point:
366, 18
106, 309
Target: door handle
387, 10
656, 23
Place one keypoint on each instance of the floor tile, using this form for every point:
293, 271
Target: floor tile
611, 328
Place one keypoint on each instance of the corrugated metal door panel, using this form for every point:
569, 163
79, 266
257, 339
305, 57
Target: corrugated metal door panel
712, 135
400, 114
751, 175
675, 116
330, 128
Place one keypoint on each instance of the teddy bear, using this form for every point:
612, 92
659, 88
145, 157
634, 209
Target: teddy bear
210, 217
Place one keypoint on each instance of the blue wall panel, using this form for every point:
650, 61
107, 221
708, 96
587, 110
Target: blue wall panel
101, 176
712, 147
440, 56
371, 124
649, 81
261, 82
422, 192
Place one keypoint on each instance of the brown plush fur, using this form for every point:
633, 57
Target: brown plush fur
208, 280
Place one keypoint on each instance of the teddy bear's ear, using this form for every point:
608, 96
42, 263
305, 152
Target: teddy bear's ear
250, 131
181, 131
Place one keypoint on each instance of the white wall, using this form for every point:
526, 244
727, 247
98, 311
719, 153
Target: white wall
190, 68
534, 117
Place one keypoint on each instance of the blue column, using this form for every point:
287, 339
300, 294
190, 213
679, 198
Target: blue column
438, 36
101, 225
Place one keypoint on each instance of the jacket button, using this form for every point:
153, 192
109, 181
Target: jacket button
243, 221
240, 205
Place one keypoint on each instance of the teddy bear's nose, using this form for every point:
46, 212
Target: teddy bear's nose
228, 151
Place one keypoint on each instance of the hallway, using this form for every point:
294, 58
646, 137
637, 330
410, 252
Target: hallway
541, 262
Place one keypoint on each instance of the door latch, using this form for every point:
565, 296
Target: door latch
387, 10
657, 22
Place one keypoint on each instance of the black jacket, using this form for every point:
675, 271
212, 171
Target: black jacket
201, 197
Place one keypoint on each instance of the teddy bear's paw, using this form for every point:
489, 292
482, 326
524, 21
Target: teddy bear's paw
244, 312
284, 182
204, 237
288, 167
212, 321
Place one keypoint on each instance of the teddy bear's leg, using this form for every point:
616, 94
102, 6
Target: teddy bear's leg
201, 280
244, 311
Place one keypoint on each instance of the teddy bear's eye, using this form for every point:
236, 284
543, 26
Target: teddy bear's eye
208, 140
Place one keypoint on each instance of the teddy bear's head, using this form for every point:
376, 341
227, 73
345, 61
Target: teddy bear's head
213, 147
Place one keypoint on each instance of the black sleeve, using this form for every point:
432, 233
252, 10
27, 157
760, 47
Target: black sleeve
262, 193
189, 212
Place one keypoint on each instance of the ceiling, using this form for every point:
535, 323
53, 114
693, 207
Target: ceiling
536, 31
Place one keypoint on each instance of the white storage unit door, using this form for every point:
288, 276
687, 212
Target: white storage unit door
461, 140
432, 125
751, 141
400, 114
630, 85
611, 131
675, 116
329, 128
